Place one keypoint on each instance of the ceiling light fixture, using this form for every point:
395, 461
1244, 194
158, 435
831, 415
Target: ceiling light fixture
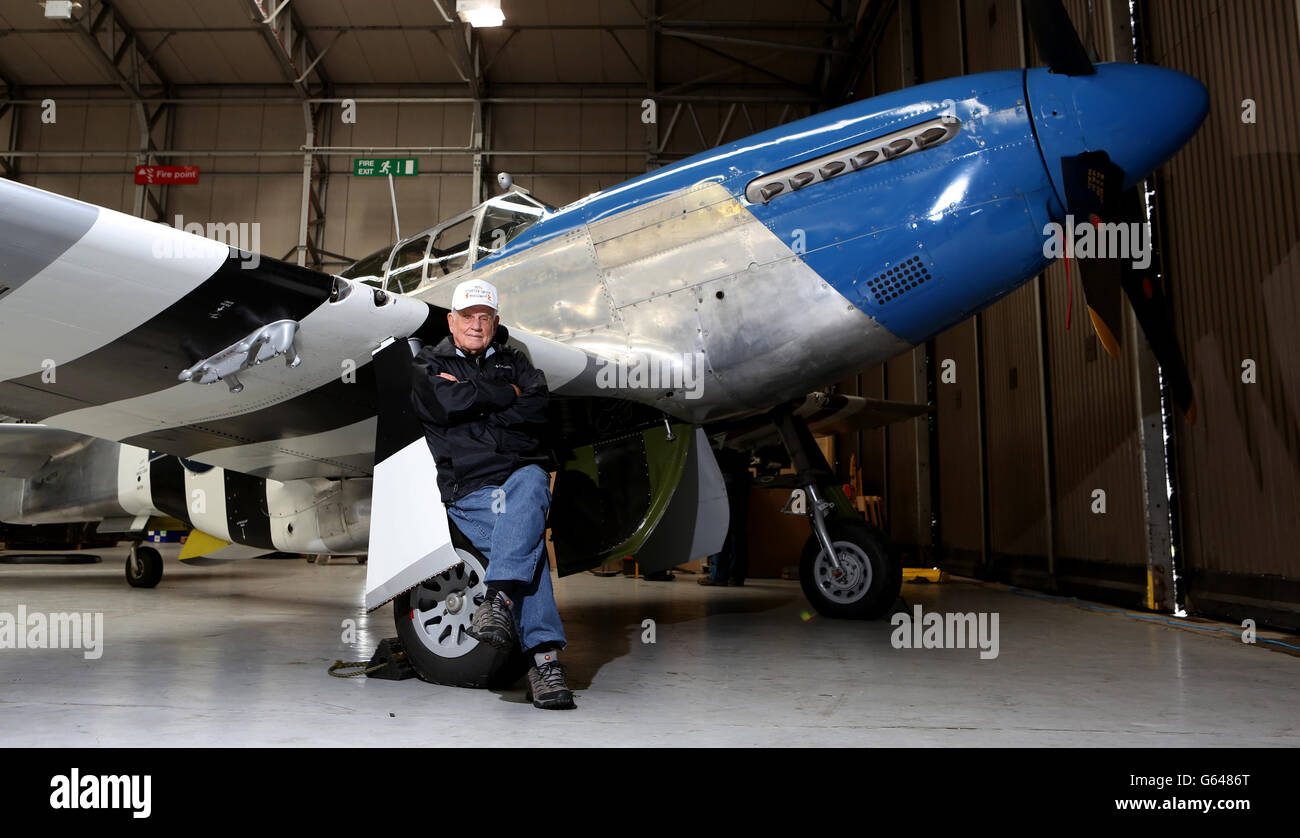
60, 9
480, 13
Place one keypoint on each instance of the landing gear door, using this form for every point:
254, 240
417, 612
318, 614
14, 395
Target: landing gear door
656, 494
410, 540
695, 523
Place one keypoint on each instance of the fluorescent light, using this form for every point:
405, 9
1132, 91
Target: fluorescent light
485, 17
58, 9
480, 13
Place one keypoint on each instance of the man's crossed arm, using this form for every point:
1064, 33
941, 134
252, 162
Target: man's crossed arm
450, 400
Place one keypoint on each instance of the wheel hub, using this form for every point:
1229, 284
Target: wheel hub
441, 608
851, 580
849, 575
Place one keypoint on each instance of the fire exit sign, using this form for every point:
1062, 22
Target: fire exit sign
384, 166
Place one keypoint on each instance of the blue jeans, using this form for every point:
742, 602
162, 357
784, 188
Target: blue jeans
508, 524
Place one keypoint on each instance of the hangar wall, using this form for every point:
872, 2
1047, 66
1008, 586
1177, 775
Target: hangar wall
266, 185
77, 128
1231, 250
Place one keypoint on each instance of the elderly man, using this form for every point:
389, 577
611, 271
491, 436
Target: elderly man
483, 406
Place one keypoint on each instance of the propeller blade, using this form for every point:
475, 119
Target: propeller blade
1157, 322
1091, 183
1102, 290
1057, 40
1092, 193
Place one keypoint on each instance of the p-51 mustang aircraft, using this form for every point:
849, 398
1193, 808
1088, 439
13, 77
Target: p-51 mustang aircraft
702, 300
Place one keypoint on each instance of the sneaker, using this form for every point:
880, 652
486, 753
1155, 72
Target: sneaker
708, 581
546, 688
494, 623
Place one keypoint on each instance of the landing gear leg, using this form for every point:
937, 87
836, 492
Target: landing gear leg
847, 569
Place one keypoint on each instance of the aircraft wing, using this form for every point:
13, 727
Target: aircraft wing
831, 414
104, 317
840, 414
24, 449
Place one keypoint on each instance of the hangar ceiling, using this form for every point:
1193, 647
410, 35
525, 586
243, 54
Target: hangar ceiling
554, 96
757, 47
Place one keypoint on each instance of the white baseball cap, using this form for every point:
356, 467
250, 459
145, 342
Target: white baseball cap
474, 292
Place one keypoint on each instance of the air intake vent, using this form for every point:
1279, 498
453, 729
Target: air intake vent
898, 280
892, 146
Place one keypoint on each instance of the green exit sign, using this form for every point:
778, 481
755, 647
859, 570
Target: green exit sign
384, 166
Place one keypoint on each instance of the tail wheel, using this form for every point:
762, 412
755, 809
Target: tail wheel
869, 577
432, 620
144, 567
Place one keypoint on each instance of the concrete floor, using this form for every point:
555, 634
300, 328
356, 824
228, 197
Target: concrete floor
236, 654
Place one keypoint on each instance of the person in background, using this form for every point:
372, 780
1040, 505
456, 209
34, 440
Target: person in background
730, 565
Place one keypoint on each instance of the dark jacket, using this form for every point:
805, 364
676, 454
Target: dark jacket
480, 432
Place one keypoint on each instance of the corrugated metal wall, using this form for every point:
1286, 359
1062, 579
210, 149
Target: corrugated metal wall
1230, 247
1093, 416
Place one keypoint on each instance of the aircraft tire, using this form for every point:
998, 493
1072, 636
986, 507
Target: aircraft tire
423, 616
149, 571
873, 575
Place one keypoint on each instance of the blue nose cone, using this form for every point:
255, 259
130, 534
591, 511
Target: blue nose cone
1138, 114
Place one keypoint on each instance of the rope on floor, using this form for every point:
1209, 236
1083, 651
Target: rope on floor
364, 666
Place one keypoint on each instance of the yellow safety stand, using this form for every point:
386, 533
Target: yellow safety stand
924, 574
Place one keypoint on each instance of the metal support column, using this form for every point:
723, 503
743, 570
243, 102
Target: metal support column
1156, 427
652, 143
476, 139
308, 162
